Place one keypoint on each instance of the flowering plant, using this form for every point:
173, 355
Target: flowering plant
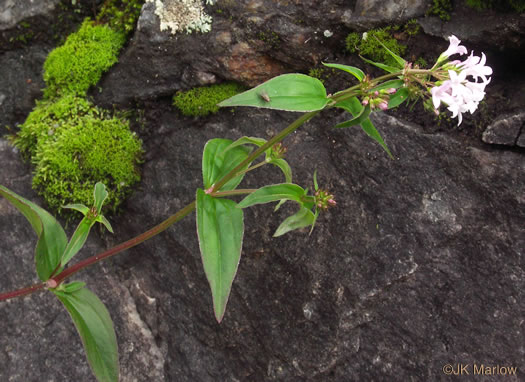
220, 220
465, 86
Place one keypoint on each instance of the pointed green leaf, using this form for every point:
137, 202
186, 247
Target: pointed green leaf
94, 325
77, 241
372, 132
303, 218
398, 98
100, 194
246, 140
285, 168
52, 239
79, 207
102, 219
400, 61
216, 162
359, 119
387, 68
220, 229
291, 92
273, 193
356, 72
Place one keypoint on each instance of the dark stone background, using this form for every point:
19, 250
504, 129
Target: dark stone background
419, 266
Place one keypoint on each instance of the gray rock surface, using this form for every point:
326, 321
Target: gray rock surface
371, 13
250, 42
14, 11
506, 130
21, 73
499, 31
420, 265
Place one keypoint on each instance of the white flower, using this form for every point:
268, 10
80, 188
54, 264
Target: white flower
465, 86
454, 47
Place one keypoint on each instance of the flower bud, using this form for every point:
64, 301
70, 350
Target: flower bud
391, 90
383, 105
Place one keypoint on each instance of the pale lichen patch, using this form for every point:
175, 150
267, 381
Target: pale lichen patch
183, 15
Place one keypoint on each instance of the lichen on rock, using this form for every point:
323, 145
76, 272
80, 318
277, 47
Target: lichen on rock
183, 15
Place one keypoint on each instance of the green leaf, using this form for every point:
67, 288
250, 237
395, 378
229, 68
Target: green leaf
285, 168
246, 140
401, 62
73, 286
356, 72
398, 98
316, 185
303, 218
52, 239
396, 84
94, 325
372, 132
359, 119
77, 240
99, 194
79, 207
291, 92
220, 229
102, 219
216, 162
273, 193
387, 68
351, 105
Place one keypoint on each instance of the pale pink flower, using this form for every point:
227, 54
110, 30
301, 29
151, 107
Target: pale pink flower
465, 86
454, 47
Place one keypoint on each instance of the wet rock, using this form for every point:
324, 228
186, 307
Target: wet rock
14, 11
249, 42
421, 253
506, 130
372, 13
497, 31
21, 73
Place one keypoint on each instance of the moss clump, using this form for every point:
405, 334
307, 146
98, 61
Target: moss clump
506, 5
201, 101
441, 9
74, 145
120, 15
79, 63
368, 45
48, 118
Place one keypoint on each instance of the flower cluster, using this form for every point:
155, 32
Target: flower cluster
379, 98
465, 86
323, 199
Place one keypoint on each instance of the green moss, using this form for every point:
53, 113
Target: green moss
371, 48
74, 145
441, 9
81, 61
412, 27
202, 101
120, 15
506, 5
48, 118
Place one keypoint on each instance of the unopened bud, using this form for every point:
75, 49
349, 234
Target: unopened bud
365, 102
383, 105
52, 284
376, 93
332, 202
391, 90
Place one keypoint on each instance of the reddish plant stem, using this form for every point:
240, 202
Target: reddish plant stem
22, 292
